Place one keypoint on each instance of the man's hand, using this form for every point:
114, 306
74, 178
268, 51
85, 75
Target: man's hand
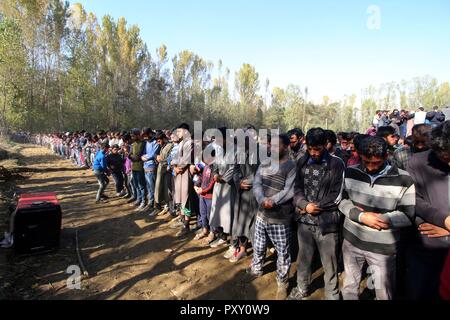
313, 209
198, 190
244, 185
433, 231
374, 221
447, 223
268, 204
178, 170
159, 158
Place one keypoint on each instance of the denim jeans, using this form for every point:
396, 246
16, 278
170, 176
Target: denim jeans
139, 185
118, 180
150, 177
205, 211
103, 182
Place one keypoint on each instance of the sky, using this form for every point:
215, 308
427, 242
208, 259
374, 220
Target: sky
334, 48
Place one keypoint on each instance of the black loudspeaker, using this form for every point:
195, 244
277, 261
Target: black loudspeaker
37, 223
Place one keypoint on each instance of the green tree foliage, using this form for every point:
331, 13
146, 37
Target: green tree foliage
62, 68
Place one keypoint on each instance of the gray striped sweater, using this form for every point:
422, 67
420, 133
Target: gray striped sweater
391, 194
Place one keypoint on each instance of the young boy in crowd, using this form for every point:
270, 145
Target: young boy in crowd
100, 171
204, 188
115, 164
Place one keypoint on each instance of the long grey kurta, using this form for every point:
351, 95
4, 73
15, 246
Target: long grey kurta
161, 185
183, 182
223, 194
245, 205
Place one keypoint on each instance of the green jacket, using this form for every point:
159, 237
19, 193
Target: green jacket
137, 149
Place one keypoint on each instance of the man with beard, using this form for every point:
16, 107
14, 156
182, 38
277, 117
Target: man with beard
297, 148
273, 189
420, 138
378, 203
318, 191
427, 252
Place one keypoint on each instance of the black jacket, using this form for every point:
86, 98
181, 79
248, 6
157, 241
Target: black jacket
330, 192
436, 117
430, 177
115, 162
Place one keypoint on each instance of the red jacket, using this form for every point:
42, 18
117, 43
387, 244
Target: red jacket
445, 280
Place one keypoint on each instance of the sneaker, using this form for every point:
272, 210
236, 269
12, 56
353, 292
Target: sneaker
121, 194
297, 294
238, 256
163, 212
104, 197
141, 207
135, 204
217, 243
253, 274
126, 196
282, 290
131, 200
153, 212
7, 241
230, 252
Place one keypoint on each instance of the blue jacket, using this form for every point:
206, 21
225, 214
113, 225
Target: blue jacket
151, 150
100, 161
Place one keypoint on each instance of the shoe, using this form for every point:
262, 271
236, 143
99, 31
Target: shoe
217, 243
230, 252
253, 274
163, 212
131, 200
183, 232
238, 256
282, 290
200, 236
297, 294
153, 212
105, 197
7, 241
126, 196
121, 194
141, 208
135, 204
209, 239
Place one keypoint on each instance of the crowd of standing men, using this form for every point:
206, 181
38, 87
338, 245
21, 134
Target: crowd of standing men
375, 204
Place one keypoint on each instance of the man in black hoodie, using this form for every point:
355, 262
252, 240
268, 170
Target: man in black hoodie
427, 251
317, 193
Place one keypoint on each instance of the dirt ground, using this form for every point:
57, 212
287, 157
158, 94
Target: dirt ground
124, 252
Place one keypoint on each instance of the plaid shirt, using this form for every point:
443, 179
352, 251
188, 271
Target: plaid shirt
401, 157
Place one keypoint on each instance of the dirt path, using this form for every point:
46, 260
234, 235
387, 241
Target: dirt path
124, 252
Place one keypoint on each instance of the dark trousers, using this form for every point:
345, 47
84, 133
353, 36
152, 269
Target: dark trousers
423, 272
118, 180
103, 182
310, 238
